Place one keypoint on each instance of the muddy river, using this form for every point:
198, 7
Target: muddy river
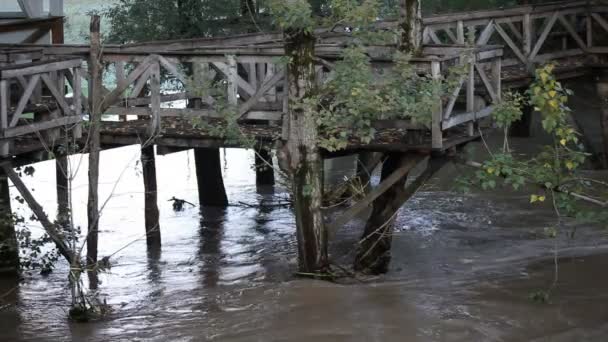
463, 269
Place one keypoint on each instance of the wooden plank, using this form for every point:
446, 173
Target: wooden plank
27, 93
240, 82
37, 209
603, 23
511, 44
155, 95
276, 78
40, 126
57, 95
572, 32
191, 113
486, 81
497, 76
453, 98
527, 35
436, 129
363, 204
116, 94
4, 103
77, 87
433, 36
515, 31
120, 72
141, 83
486, 34
470, 94
460, 32
172, 69
544, 35
37, 68
466, 117
589, 30
233, 81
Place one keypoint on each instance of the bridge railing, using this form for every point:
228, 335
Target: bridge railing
531, 34
40, 90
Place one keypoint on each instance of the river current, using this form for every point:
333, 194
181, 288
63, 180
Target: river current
463, 269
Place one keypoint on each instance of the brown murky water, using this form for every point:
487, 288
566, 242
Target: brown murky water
463, 269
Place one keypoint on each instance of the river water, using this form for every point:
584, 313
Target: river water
464, 266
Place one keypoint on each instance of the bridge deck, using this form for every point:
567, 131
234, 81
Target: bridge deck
508, 44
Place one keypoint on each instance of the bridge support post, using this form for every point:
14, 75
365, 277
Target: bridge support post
374, 252
211, 190
63, 194
602, 91
264, 168
9, 252
148, 164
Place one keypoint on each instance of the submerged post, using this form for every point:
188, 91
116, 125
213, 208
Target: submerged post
95, 97
63, 192
264, 168
211, 190
148, 164
9, 252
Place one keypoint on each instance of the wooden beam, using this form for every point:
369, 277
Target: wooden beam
543, 35
572, 32
37, 209
511, 44
40, 126
363, 204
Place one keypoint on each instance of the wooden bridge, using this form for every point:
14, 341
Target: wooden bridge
509, 43
153, 100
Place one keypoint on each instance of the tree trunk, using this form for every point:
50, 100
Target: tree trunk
9, 252
303, 157
410, 22
148, 164
211, 190
95, 91
374, 252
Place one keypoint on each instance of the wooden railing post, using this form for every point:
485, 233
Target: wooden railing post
4, 103
436, 132
233, 87
155, 121
471, 95
527, 35
77, 85
497, 77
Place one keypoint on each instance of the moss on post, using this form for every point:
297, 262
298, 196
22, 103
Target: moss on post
303, 157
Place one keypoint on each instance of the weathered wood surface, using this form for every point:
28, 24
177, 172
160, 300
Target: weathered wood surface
256, 84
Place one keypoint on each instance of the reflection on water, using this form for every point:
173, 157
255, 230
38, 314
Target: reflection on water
459, 273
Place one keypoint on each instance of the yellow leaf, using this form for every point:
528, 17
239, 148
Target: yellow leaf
541, 198
552, 93
553, 104
563, 142
490, 170
569, 165
533, 198
543, 77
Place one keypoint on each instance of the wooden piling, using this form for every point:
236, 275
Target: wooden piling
95, 99
148, 164
211, 190
63, 191
264, 168
9, 252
